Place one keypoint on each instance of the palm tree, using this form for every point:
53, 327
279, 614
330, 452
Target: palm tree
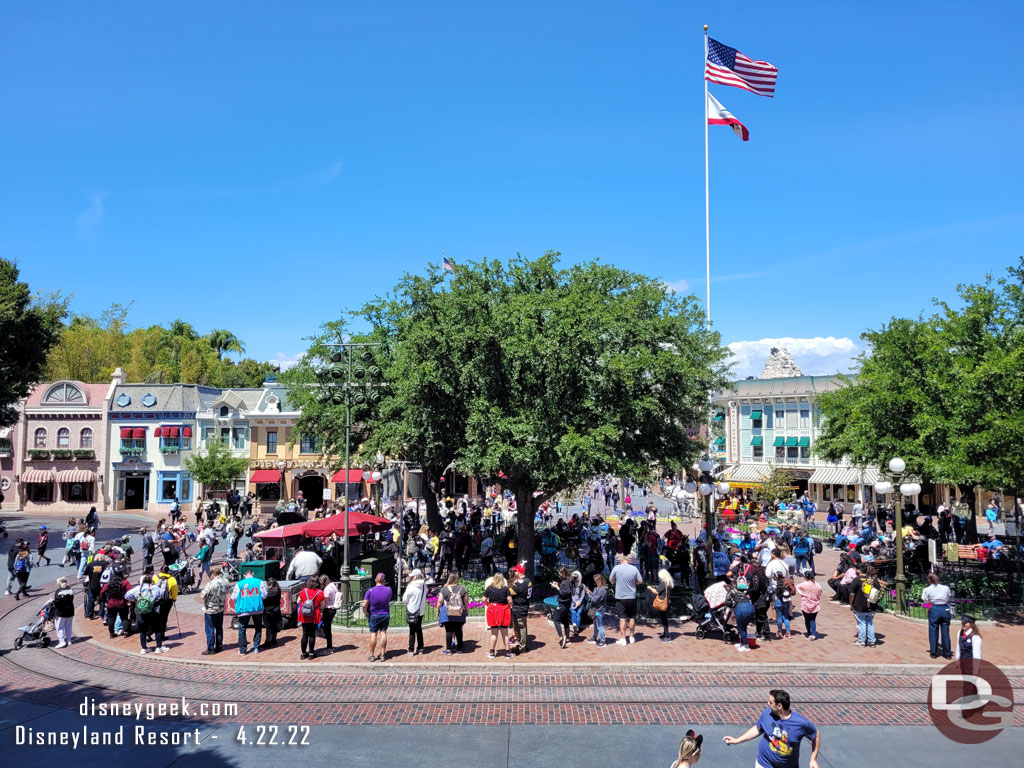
225, 341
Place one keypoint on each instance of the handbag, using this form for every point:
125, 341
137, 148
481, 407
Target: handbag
660, 603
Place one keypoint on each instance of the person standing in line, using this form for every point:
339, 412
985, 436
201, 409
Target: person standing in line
861, 591
598, 606
42, 541
148, 547
487, 553
248, 596
521, 589
626, 578
214, 594
112, 593
579, 595
939, 595
454, 605
499, 615
810, 603
271, 613
166, 604
310, 601
63, 612
377, 605
781, 731
560, 616
660, 603
332, 602
415, 599
147, 596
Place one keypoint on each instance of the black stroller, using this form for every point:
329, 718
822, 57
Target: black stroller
36, 634
184, 574
710, 620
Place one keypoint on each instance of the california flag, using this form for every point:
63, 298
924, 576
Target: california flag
719, 115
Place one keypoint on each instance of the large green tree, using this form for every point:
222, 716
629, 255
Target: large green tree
29, 328
945, 392
547, 376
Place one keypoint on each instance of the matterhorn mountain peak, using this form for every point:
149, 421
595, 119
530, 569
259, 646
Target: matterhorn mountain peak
780, 365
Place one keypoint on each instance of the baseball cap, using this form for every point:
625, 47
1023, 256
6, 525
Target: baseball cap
42, 527
519, 569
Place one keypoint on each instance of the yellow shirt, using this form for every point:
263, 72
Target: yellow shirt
172, 585
435, 542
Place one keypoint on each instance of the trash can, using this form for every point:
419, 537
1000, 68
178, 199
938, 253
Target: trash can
262, 569
374, 563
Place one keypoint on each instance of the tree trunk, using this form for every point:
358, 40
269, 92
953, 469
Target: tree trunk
525, 511
430, 499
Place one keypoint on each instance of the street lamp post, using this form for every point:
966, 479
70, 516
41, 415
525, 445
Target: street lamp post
707, 489
897, 467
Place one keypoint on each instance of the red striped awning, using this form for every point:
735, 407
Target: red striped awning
265, 476
126, 433
186, 431
37, 476
173, 431
76, 476
139, 433
158, 432
354, 476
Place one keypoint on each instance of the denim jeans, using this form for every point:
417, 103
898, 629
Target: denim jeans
576, 615
599, 625
744, 615
257, 623
214, 623
938, 630
91, 603
865, 627
782, 615
809, 623
801, 563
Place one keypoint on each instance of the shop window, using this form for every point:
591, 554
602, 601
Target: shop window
185, 489
40, 441
40, 492
309, 444
63, 438
826, 493
271, 442
85, 438
850, 494
268, 491
78, 491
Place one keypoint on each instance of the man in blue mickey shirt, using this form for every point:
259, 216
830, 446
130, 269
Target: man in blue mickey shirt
781, 731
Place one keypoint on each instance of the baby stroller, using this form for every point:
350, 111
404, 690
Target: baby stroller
184, 575
711, 619
36, 633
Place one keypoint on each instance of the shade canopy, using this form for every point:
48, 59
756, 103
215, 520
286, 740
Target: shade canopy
279, 535
158, 432
37, 476
76, 476
358, 524
354, 476
186, 431
754, 415
126, 433
266, 476
139, 433
757, 440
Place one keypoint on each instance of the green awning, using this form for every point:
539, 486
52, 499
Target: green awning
755, 415
779, 441
791, 441
757, 440
804, 442
720, 441
719, 417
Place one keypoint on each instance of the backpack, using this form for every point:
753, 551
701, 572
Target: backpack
817, 547
874, 593
115, 589
144, 603
454, 603
165, 546
308, 607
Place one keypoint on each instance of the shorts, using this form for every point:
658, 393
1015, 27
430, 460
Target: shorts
380, 623
626, 608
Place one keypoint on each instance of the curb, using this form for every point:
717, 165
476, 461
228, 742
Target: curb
576, 667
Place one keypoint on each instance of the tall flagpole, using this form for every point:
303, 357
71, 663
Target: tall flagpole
707, 197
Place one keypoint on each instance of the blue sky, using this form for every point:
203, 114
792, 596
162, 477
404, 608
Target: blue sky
263, 168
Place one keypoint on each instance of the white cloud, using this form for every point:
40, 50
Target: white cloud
89, 220
283, 361
821, 355
678, 286
327, 175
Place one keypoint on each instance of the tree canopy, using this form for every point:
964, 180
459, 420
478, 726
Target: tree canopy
29, 328
217, 468
89, 349
546, 375
944, 392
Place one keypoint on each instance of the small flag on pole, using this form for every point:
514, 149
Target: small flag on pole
727, 66
719, 115
447, 263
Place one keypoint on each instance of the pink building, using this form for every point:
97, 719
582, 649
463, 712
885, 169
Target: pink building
8, 477
62, 448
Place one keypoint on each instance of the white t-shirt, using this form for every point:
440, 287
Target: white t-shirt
776, 568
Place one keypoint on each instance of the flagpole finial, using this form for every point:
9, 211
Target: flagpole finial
705, 27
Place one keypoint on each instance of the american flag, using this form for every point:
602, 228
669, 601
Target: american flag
447, 264
727, 66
